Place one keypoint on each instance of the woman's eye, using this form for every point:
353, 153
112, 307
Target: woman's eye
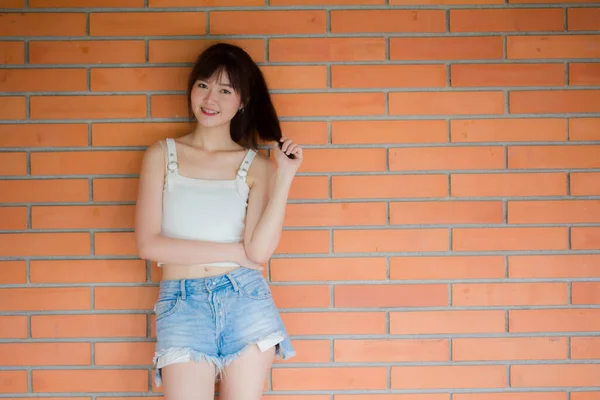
202, 85
226, 91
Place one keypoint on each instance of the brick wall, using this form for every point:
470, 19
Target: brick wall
442, 237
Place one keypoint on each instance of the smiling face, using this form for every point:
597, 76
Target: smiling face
214, 101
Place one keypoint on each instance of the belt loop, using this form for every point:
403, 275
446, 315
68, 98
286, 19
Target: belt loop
182, 287
233, 282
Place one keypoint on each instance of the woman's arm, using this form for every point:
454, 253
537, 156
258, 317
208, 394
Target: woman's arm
268, 200
151, 244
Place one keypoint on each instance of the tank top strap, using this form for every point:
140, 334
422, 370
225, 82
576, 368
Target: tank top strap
172, 164
245, 165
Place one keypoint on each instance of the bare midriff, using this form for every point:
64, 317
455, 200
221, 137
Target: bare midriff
178, 272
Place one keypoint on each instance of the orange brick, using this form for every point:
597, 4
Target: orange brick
115, 243
313, 296
585, 395
554, 375
585, 184
12, 53
43, 80
380, 21
585, 238
309, 187
12, 164
584, 74
508, 20
268, 22
87, 52
90, 380
13, 4
446, 48
474, 75
430, 396
504, 185
343, 160
336, 214
139, 79
443, 103
86, 162
204, 3
323, 2
136, 133
391, 350
510, 396
326, 49
310, 242
169, 106
509, 239
553, 211
12, 107
509, 294
582, 320
537, 157
329, 104
46, 190
88, 326
444, 2
187, 50
29, 354
556, 46
306, 132
13, 218
13, 382
43, 135
117, 189
439, 267
44, 299
446, 212
550, 1
44, 244
43, 24
12, 272
508, 130
389, 186
82, 217
327, 269
333, 378
389, 132
583, 19
85, 3
125, 298
84, 107
449, 377
335, 323
147, 23
560, 101
308, 351
390, 240
439, 322
87, 271
585, 347
585, 293
513, 348
388, 76
125, 353
584, 129
554, 266
295, 76
446, 158
12, 327
375, 296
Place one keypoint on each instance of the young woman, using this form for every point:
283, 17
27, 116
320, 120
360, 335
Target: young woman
210, 211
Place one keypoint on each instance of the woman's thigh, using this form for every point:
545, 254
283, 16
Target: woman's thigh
189, 381
244, 378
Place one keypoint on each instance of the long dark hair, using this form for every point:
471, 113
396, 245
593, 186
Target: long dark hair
258, 122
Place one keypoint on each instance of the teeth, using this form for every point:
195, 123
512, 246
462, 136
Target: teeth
208, 111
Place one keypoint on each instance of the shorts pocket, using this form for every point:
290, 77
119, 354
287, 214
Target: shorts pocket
256, 289
165, 307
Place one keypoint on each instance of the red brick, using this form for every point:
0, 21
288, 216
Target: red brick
585, 183
329, 104
446, 103
389, 186
88, 326
51, 354
85, 3
90, 380
335, 214
124, 298
559, 101
510, 239
583, 19
446, 212
13, 327
509, 294
446, 48
380, 21
295, 76
389, 132
326, 49
391, 350
12, 107
147, 24
447, 322
87, 107
505, 185
585, 348
44, 190
335, 323
188, 50
508, 130
139, 79
509, 348
584, 74
43, 135
388, 76
446, 158
543, 157
44, 244
124, 353
44, 299
12, 272
449, 377
555, 375
482, 75
554, 266
13, 218
390, 240
587, 129
13, 382
333, 378
327, 269
304, 242
376, 296
82, 217
43, 24
343, 160
508, 20
308, 296
12, 53
551, 47
204, 3
87, 271
86, 162
558, 320
451, 267
554, 211
268, 22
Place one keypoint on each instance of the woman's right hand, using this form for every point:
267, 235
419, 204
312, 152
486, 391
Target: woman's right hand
244, 261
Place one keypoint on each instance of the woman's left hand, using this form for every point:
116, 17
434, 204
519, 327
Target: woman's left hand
281, 156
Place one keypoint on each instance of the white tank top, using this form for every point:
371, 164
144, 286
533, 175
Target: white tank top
204, 209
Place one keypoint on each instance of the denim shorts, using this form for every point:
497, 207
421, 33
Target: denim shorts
215, 318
